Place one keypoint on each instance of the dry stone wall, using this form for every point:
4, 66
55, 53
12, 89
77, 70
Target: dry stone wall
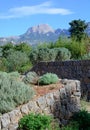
61, 104
79, 70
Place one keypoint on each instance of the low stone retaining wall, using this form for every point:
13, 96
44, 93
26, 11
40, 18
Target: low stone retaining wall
61, 104
76, 70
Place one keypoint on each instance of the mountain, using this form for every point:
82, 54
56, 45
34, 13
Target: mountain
39, 34
36, 34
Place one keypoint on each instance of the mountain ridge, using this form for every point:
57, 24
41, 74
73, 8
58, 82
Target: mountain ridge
39, 34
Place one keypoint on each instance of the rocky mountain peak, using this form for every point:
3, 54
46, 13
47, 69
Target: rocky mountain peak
41, 28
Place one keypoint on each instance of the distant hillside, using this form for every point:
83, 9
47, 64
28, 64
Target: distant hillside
39, 34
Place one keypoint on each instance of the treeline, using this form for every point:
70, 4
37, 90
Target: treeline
21, 57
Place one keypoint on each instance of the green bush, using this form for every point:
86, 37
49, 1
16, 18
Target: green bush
45, 54
31, 78
16, 60
48, 78
13, 92
61, 42
23, 47
40, 54
83, 119
7, 48
62, 54
77, 49
3, 62
35, 122
34, 56
25, 67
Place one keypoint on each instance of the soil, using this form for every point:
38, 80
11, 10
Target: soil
42, 90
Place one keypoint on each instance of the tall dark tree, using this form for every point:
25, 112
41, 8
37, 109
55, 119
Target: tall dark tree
77, 29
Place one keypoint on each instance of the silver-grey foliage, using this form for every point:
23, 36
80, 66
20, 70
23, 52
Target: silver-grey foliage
45, 54
31, 78
13, 92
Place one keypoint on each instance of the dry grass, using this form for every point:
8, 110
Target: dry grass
42, 90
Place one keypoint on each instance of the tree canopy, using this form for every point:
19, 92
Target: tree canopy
77, 29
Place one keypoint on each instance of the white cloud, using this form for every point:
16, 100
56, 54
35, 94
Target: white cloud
44, 8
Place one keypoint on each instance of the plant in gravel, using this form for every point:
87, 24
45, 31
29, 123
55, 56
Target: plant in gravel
31, 78
13, 92
35, 122
48, 78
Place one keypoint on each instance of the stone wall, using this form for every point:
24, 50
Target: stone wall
79, 70
61, 104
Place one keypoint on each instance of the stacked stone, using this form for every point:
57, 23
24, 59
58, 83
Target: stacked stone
78, 69
61, 104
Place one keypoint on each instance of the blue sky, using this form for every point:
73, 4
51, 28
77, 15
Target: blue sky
16, 16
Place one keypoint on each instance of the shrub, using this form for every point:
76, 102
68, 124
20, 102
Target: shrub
83, 119
62, 54
34, 56
61, 42
16, 60
13, 92
40, 54
77, 49
48, 78
35, 122
23, 47
7, 48
3, 62
25, 67
14, 75
45, 54
31, 78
